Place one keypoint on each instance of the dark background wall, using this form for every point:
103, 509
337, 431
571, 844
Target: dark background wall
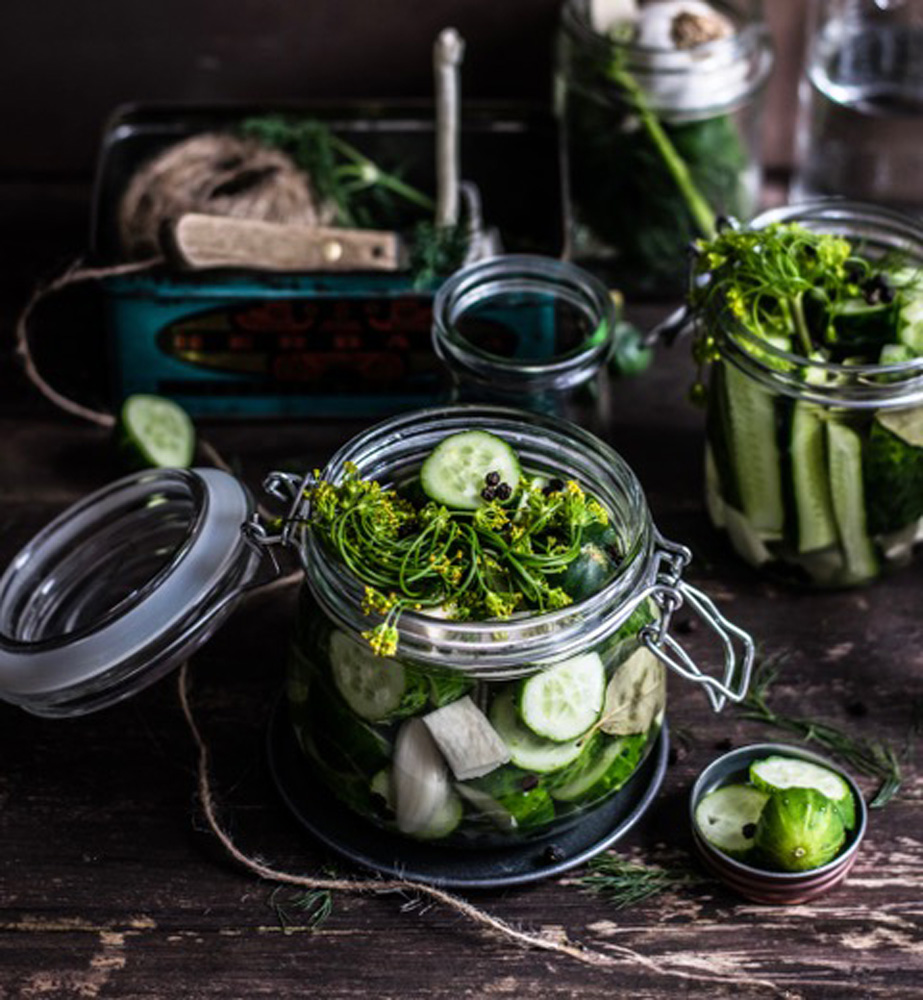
66, 64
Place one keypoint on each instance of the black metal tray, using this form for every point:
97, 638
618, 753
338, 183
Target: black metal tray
322, 815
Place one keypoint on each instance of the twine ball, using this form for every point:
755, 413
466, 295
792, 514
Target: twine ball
215, 174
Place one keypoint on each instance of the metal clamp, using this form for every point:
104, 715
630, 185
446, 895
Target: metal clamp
670, 593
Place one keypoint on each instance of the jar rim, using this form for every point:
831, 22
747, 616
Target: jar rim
484, 280
864, 386
751, 41
514, 644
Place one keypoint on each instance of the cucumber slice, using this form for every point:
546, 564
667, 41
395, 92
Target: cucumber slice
728, 817
775, 774
910, 322
714, 501
844, 456
455, 472
562, 702
528, 751
811, 485
755, 452
636, 692
604, 766
374, 687
156, 431
511, 798
745, 541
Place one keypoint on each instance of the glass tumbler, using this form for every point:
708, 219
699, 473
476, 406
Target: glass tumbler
860, 120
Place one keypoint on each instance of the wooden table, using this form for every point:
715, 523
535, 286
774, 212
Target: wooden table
110, 886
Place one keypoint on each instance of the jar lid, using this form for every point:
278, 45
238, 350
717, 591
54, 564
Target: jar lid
121, 587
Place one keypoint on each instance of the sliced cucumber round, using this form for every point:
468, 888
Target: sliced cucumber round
605, 765
528, 751
562, 702
156, 431
455, 473
727, 818
636, 692
775, 774
374, 687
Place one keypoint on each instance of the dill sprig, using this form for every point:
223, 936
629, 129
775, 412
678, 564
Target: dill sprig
313, 908
624, 883
476, 565
873, 758
357, 189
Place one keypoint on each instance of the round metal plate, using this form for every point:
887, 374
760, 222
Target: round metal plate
322, 815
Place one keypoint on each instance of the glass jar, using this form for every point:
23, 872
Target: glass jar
531, 332
430, 743
129, 582
657, 141
803, 471
860, 117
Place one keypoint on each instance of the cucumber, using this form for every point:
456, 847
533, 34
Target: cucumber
893, 474
864, 328
727, 818
755, 452
153, 431
799, 829
528, 751
714, 501
563, 701
512, 799
375, 687
910, 321
604, 766
810, 483
635, 694
745, 541
455, 472
776, 774
844, 456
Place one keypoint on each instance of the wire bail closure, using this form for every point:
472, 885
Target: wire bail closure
670, 592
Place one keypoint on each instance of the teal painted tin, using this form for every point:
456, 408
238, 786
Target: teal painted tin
250, 343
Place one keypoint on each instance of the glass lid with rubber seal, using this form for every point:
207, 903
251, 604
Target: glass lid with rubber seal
121, 587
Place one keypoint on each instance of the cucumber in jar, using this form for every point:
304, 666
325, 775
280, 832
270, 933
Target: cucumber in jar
376, 688
510, 798
604, 766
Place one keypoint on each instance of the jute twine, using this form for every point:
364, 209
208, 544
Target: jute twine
215, 174
558, 943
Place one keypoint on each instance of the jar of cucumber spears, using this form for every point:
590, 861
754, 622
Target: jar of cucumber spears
814, 340
660, 106
442, 726
531, 332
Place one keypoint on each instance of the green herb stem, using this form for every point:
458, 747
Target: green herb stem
873, 758
624, 883
701, 212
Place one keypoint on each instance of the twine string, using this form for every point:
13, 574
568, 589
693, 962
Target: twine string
380, 886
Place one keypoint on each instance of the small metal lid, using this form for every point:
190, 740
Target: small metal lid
121, 587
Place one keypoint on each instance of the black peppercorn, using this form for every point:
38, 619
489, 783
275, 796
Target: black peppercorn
492, 478
488, 493
749, 830
504, 492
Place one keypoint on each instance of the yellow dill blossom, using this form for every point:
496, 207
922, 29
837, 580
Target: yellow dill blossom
374, 602
382, 639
